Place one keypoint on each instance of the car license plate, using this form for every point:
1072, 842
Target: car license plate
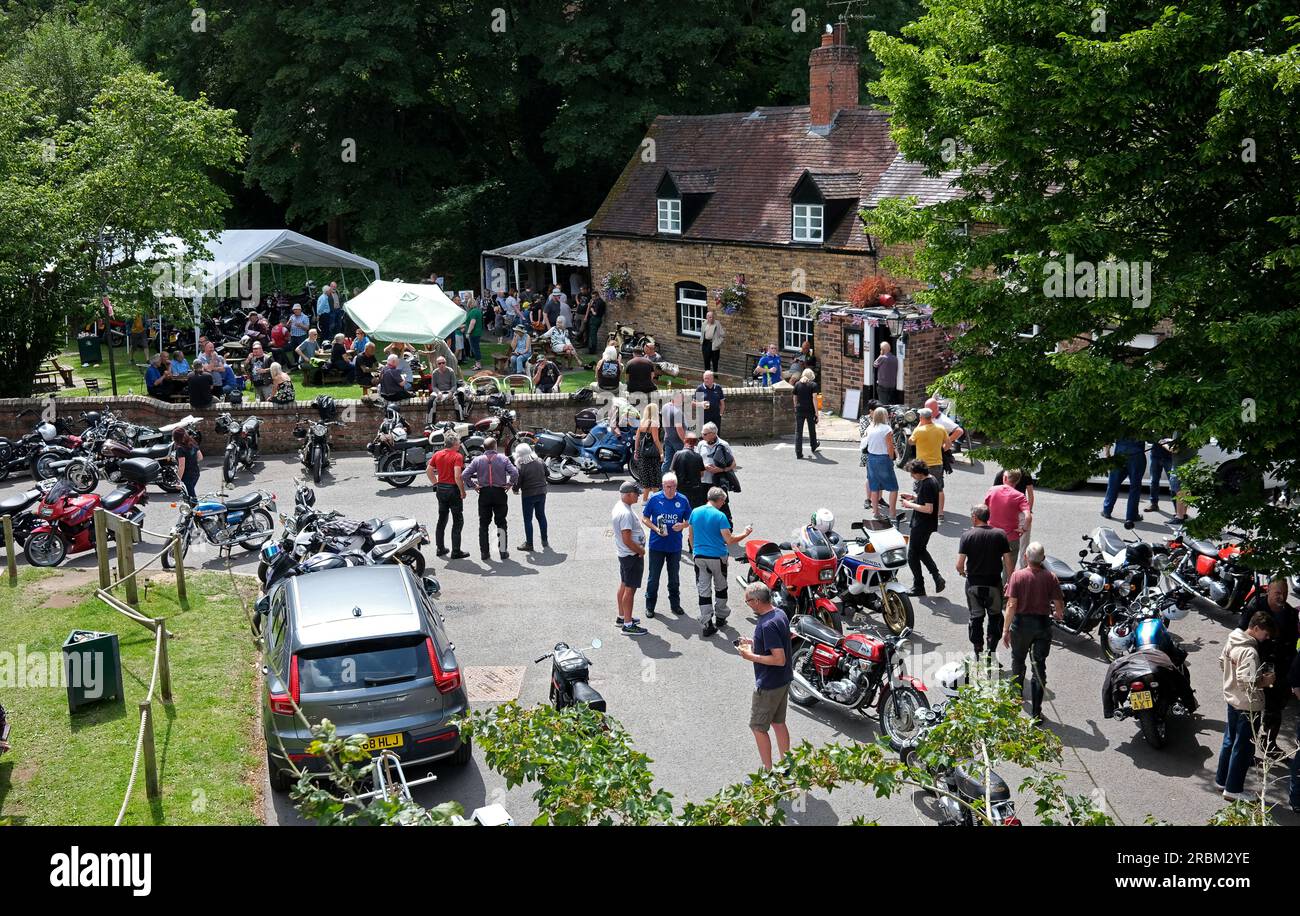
384, 742
1140, 699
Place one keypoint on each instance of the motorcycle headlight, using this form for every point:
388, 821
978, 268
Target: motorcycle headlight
318, 429
894, 557
826, 575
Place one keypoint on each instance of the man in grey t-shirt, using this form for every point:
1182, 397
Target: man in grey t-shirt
629, 542
886, 365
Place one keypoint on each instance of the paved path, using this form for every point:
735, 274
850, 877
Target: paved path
686, 699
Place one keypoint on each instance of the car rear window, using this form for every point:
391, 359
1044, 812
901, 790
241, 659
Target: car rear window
367, 663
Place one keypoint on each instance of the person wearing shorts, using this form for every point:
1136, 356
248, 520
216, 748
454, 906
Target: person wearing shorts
629, 541
773, 660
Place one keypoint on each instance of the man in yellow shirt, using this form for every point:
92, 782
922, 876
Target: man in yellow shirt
929, 439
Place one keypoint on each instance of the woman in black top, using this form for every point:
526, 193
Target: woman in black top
647, 452
188, 457
805, 411
925, 521
532, 484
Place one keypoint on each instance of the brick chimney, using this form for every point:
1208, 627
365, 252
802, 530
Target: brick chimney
832, 77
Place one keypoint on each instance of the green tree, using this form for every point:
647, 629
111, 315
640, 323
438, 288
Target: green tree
1154, 135
97, 167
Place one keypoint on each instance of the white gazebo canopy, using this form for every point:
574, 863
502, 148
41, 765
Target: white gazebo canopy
232, 250
415, 313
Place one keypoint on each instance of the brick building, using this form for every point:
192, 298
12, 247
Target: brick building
771, 196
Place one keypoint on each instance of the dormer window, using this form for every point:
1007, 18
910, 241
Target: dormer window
670, 215
808, 222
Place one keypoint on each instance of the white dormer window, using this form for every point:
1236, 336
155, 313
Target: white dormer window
670, 215
808, 222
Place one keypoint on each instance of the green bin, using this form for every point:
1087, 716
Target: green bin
89, 349
92, 668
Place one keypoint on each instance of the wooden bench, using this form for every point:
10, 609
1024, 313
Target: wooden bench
66, 373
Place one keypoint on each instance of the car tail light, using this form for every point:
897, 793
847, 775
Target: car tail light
283, 703
445, 681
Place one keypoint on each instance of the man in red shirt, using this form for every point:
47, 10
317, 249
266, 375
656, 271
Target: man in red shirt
1032, 595
1009, 509
445, 470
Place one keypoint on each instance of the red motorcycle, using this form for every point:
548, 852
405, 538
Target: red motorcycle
800, 575
66, 519
858, 672
1215, 576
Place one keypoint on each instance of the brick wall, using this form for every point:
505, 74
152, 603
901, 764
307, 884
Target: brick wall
657, 266
751, 414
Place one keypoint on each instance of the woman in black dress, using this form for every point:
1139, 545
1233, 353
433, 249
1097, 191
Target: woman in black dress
647, 452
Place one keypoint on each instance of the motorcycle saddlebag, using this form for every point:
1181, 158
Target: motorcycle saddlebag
585, 693
140, 470
414, 456
549, 444
584, 420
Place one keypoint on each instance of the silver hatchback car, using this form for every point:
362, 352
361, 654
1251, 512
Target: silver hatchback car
365, 648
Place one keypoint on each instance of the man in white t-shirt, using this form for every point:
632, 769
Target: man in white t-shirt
629, 542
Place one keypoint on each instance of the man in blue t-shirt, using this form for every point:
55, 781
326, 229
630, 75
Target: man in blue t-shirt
666, 514
773, 660
710, 536
768, 369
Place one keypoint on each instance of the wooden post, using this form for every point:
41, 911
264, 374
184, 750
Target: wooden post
178, 560
164, 663
11, 559
101, 549
125, 536
147, 750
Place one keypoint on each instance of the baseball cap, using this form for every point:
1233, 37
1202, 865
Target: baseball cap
629, 486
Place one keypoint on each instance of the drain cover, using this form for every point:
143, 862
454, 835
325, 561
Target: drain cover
493, 683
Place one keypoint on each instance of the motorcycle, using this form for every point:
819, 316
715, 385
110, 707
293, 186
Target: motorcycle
334, 551
499, 425
66, 519
1137, 686
241, 446
108, 458
604, 450
315, 451
866, 580
859, 672
1214, 577
20, 507
399, 459
570, 670
801, 575
960, 790
1099, 595
629, 341
244, 520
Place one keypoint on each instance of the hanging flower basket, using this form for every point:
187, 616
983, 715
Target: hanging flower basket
617, 284
731, 299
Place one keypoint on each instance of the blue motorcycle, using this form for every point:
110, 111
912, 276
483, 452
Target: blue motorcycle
605, 450
224, 522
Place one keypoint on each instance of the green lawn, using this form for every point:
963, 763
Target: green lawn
73, 770
130, 379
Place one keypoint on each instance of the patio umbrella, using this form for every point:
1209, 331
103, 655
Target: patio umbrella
416, 313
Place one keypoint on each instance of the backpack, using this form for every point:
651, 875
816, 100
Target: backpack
608, 371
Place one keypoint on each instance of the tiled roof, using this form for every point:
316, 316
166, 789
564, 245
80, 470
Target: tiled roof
563, 246
757, 158
701, 181
837, 185
908, 179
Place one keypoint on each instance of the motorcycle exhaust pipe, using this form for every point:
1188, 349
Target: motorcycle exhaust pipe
1198, 599
385, 474
803, 682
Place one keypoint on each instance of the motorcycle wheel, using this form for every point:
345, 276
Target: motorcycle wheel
897, 612
1154, 728
83, 476
230, 467
415, 560
261, 522
395, 462
898, 715
799, 694
41, 462
317, 465
168, 482
167, 554
553, 474
45, 549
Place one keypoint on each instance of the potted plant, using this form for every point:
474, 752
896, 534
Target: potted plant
868, 292
733, 297
617, 284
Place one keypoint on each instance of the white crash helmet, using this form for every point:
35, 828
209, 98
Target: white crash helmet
823, 520
952, 677
1120, 639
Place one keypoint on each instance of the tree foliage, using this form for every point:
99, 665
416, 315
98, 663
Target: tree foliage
1167, 138
97, 165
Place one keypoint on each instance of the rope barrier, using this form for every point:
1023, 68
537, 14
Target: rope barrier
135, 768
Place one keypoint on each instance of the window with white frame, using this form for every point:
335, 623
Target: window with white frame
670, 215
796, 322
807, 222
692, 305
